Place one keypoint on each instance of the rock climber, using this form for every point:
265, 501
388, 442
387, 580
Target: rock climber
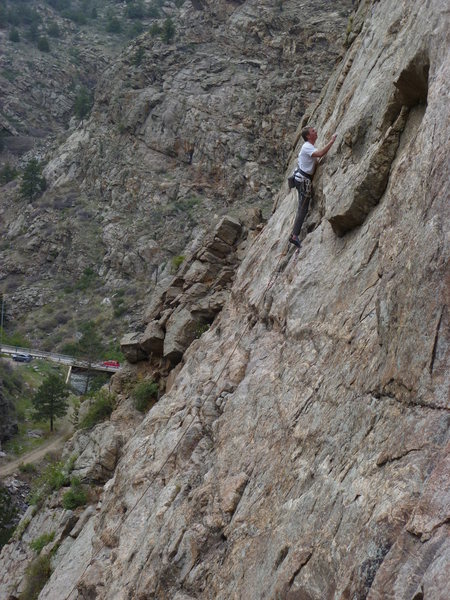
307, 161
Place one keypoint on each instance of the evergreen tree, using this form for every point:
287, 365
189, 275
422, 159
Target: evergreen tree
114, 25
33, 184
168, 30
89, 348
50, 400
14, 35
33, 32
43, 44
138, 56
83, 102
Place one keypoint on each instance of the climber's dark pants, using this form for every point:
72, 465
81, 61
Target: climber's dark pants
304, 190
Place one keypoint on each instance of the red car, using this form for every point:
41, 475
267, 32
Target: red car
111, 363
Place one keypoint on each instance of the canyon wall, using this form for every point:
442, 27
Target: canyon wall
302, 449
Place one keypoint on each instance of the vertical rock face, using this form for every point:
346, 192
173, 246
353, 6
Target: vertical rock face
302, 451
180, 133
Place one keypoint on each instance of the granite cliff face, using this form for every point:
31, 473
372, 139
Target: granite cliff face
180, 133
302, 449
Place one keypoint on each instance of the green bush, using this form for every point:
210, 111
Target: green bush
14, 35
114, 25
155, 29
54, 477
135, 10
82, 105
153, 12
53, 30
20, 529
76, 16
145, 395
87, 279
176, 262
7, 174
76, 496
43, 44
27, 468
138, 56
39, 543
33, 184
135, 30
168, 30
100, 410
36, 576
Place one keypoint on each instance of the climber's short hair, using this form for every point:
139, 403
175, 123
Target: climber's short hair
305, 133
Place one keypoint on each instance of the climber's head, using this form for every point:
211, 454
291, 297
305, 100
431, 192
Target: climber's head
309, 134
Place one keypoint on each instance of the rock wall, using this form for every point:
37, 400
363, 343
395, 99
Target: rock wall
302, 451
196, 128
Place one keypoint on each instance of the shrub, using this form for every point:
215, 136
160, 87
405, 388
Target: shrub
168, 30
83, 102
76, 16
176, 262
39, 543
100, 410
87, 279
155, 29
54, 477
7, 174
114, 26
135, 10
36, 576
153, 12
20, 529
53, 30
33, 184
27, 468
43, 44
76, 496
145, 395
138, 56
201, 329
33, 33
135, 30
14, 35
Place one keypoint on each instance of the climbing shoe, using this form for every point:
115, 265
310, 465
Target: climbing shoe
294, 240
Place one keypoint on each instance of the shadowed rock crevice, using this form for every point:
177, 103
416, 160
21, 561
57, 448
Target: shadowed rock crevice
408, 102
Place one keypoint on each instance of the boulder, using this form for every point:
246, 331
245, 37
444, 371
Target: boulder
130, 345
152, 340
228, 230
180, 332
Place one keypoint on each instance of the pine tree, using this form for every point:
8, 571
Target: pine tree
33, 183
168, 30
14, 35
50, 400
83, 103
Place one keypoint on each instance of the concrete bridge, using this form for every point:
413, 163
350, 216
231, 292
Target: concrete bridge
63, 359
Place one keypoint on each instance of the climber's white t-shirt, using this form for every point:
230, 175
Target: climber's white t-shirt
305, 161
